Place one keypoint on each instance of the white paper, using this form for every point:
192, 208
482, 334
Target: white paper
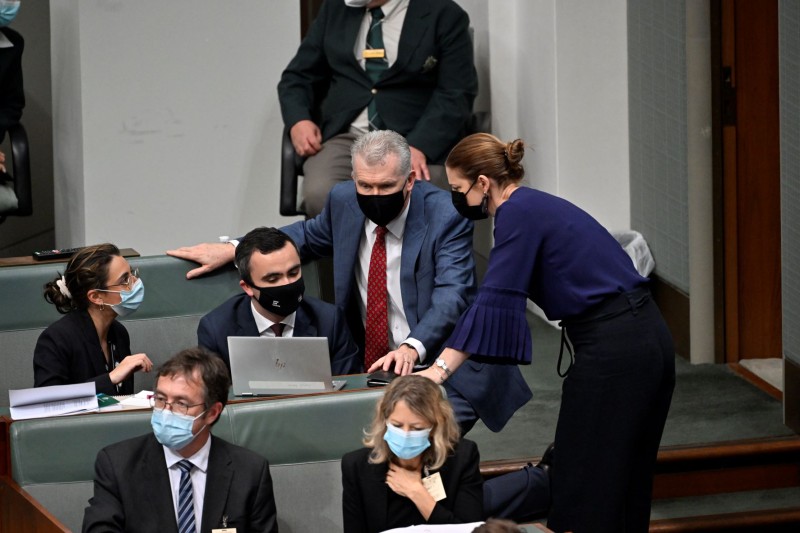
139, 400
58, 400
444, 528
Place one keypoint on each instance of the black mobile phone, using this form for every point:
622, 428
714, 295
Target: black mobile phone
380, 378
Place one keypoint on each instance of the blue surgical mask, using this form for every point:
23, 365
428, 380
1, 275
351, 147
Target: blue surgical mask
406, 444
131, 300
8, 10
356, 3
174, 430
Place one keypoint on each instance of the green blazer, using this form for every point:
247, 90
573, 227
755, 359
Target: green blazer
426, 95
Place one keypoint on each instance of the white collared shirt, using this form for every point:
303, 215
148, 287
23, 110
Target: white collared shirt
394, 14
264, 324
398, 323
198, 475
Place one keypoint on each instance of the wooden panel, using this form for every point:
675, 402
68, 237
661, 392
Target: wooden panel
758, 179
5, 450
729, 190
20, 513
765, 521
791, 394
716, 481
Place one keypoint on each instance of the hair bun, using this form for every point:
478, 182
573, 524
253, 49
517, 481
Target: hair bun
515, 151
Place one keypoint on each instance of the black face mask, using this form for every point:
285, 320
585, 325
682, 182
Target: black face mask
382, 208
283, 300
471, 212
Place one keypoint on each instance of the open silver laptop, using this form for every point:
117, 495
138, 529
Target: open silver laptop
267, 366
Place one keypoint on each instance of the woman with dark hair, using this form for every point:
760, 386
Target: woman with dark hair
415, 469
617, 392
88, 343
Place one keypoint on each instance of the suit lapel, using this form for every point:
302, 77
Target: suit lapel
92, 343
348, 236
245, 323
413, 235
154, 468
380, 490
302, 324
411, 35
218, 482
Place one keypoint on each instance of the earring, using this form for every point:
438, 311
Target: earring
102, 305
485, 203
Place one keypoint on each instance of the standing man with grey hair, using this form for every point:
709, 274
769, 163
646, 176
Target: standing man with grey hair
424, 249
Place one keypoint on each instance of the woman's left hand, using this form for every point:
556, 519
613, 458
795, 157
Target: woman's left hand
404, 482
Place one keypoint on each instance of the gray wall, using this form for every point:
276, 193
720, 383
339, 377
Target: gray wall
789, 30
658, 133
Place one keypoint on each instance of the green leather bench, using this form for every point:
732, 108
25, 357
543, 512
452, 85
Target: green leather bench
303, 438
165, 323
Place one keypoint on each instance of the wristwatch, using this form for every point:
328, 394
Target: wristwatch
441, 364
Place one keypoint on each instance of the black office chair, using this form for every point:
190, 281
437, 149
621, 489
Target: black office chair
20, 173
292, 164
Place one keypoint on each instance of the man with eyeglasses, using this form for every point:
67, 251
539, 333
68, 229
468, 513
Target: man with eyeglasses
181, 477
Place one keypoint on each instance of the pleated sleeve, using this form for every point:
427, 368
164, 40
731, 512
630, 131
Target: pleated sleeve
494, 327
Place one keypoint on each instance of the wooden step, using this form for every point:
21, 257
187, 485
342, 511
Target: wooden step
721, 468
763, 521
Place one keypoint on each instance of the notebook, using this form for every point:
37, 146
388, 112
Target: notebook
267, 366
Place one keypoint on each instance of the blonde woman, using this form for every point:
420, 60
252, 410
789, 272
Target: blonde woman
415, 468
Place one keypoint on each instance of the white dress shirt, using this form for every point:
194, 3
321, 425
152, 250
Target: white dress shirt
394, 14
264, 324
198, 475
398, 324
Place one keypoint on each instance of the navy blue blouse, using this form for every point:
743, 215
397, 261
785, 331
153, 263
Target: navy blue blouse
551, 252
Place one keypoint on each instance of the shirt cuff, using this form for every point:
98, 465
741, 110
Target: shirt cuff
414, 343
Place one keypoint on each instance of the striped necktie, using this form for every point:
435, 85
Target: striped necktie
375, 65
185, 499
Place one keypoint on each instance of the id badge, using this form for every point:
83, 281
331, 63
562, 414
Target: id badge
374, 53
224, 530
433, 484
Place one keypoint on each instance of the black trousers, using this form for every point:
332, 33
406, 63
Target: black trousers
614, 405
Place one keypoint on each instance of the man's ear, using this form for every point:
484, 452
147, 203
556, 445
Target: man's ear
246, 288
213, 412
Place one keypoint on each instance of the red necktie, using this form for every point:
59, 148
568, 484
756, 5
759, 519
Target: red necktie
376, 342
277, 328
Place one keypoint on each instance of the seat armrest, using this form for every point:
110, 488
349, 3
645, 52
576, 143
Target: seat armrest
291, 168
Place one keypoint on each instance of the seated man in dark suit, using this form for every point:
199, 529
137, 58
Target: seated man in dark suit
180, 477
403, 65
273, 304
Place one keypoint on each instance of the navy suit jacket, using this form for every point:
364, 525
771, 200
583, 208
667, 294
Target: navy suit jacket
437, 279
426, 95
132, 491
314, 318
